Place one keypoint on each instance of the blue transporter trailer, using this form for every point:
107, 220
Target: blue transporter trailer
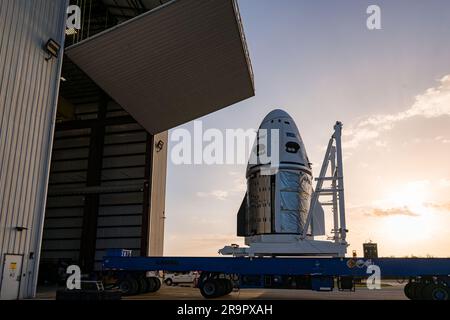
429, 278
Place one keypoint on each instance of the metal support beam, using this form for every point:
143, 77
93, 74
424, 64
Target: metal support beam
315, 196
333, 158
82, 124
94, 175
334, 200
340, 182
145, 236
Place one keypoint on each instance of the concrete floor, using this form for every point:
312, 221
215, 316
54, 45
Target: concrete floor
392, 292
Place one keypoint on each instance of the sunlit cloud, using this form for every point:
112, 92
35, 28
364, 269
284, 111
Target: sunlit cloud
433, 103
381, 143
354, 137
442, 139
239, 185
217, 194
413, 195
444, 183
364, 165
402, 211
439, 206
238, 188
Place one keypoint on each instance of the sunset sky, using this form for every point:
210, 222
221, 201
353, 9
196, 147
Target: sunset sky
390, 88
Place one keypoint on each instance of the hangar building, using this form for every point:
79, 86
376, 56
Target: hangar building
84, 116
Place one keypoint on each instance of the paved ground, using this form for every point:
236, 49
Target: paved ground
392, 292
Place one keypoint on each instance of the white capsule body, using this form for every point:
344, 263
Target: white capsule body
278, 193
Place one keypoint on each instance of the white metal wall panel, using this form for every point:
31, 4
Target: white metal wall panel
28, 93
158, 197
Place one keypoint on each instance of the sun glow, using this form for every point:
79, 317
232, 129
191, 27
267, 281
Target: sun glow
408, 219
413, 196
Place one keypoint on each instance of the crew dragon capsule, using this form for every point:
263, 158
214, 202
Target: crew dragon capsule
281, 213
278, 194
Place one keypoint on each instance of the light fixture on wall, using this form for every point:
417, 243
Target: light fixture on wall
52, 48
71, 31
159, 145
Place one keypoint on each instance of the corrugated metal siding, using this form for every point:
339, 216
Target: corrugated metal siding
28, 91
119, 224
64, 213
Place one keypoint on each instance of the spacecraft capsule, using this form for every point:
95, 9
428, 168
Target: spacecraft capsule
278, 194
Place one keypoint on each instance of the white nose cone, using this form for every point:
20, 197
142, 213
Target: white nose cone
289, 143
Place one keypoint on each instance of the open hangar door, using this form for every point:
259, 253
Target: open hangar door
100, 192
101, 183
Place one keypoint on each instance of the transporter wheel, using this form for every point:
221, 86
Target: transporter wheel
438, 292
157, 283
129, 286
228, 286
417, 291
168, 282
143, 284
409, 290
151, 285
212, 289
427, 291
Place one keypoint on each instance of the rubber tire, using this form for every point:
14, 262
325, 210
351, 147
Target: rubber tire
440, 292
168, 282
143, 285
212, 289
427, 291
222, 287
129, 286
158, 284
417, 292
155, 284
228, 286
409, 290
151, 285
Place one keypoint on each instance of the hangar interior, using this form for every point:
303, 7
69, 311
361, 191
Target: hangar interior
100, 184
108, 169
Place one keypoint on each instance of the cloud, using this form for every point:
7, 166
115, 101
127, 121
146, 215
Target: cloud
439, 206
442, 139
401, 211
433, 103
356, 136
237, 189
239, 181
364, 165
239, 185
217, 194
444, 183
381, 144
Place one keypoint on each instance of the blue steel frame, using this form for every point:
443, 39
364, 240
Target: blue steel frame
389, 267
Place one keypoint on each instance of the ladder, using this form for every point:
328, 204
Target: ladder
332, 160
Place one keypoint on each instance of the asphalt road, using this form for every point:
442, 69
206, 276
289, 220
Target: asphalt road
394, 292
391, 292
